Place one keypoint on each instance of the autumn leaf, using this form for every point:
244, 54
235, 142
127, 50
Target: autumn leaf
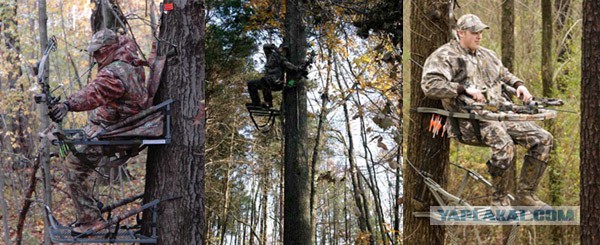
381, 145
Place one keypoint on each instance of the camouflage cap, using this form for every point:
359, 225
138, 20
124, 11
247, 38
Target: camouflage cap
269, 46
471, 22
101, 38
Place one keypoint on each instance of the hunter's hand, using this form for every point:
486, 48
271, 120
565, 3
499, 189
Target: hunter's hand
58, 112
475, 93
524, 94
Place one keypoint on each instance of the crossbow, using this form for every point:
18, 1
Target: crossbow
533, 106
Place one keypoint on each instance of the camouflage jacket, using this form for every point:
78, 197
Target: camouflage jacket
451, 65
276, 65
119, 89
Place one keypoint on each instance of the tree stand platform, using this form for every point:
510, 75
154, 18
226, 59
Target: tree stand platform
112, 232
444, 198
263, 112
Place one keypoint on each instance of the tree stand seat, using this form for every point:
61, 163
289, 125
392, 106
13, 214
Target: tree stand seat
149, 127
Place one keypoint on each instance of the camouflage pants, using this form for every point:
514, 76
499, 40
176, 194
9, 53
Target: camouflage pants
78, 169
266, 84
502, 136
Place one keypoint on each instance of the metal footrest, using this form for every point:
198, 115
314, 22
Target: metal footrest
262, 111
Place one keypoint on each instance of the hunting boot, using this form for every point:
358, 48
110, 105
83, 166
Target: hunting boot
253, 87
531, 174
500, 183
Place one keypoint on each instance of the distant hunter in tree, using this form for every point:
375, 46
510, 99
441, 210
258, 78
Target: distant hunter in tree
462, 70
117, 92
277, 65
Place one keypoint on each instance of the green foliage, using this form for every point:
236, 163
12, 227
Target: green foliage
228, 43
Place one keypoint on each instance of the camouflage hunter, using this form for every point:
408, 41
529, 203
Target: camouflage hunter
117, 92
452, 69
275, 67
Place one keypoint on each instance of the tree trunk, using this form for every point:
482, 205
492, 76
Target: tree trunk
590, 118
398, 195
508, 33
264, 204
17, 122
223, 220
4, 205
281, 203
175, 172
45, 121
316, 149
105, 15
549, 88
547, 31
152, 17
8, 26
562, 11
508, 56
27, 201
347, 227
297, 226
430, 29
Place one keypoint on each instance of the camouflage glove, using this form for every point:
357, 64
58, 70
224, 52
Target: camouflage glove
309, 61
305, 73
59, 111
306, 66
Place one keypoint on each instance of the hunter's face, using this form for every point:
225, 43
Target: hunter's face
470, 40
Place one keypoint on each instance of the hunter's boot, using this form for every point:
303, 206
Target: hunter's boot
253, 87
531, 174
500, 183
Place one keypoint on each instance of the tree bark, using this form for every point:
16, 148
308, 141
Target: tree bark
508, 56
508, 33
549, 89
297, 225
562, 11
45, 121
8, 27
316, 149
430, 29
175, 172
104, 16
27, 200
4, 205
264, 204
398, 197
590, 118
547, 31
223, 220
17, 122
